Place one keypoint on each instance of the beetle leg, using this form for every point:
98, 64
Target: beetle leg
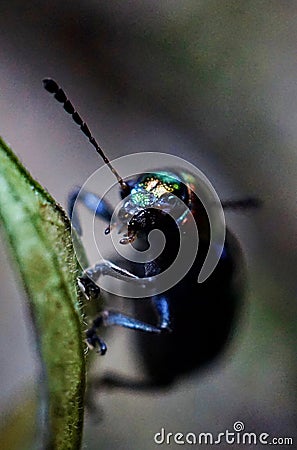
244, 203
88, 287
111, 318
87, 283
93, 340
105, 267
161, 306
92, 202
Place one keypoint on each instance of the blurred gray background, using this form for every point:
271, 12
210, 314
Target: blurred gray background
214, 82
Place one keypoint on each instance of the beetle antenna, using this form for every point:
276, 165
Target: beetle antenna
53, 88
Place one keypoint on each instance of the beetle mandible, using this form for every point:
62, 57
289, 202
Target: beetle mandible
188, 325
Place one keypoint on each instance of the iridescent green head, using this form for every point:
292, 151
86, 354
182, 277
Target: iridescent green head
152, 191
150, 187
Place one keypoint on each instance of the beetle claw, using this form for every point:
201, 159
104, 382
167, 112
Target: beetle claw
95, 342
88, 287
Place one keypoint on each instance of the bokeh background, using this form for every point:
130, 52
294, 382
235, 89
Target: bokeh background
214, 82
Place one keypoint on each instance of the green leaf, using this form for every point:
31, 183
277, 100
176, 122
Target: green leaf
38, 234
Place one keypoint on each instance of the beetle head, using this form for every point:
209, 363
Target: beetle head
143, 222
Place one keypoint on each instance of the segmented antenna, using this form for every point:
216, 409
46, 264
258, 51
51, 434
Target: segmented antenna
53, 88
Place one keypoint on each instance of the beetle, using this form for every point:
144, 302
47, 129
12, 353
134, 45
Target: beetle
188, 325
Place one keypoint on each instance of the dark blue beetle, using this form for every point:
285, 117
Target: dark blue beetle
192, 321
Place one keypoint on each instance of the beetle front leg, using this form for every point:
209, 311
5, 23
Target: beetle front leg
87, 283
108, 268
92, 202
161, 306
